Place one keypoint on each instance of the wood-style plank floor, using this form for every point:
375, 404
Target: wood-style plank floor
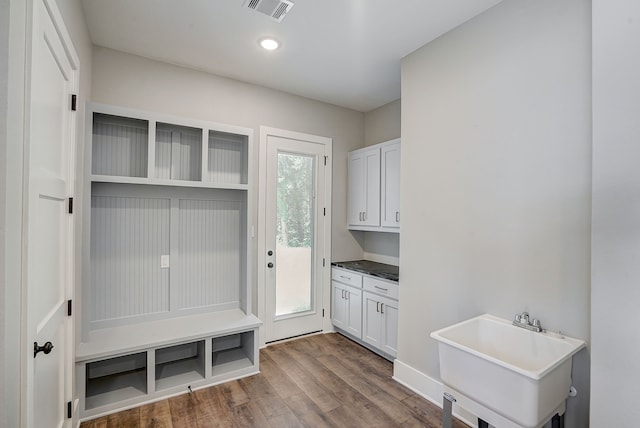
316, 381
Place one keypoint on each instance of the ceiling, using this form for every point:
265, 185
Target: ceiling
343, 52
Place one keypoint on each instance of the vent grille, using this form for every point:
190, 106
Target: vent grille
276, 9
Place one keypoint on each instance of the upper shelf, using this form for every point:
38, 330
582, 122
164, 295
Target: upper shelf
136, 147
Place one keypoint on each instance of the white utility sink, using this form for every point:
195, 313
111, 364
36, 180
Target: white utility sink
503, 374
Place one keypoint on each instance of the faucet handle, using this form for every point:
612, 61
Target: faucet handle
517, 318
535, 322
524, 318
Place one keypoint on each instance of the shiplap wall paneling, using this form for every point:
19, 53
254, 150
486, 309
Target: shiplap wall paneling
210, 253
178, 152
120, 146
129, 236
227, 158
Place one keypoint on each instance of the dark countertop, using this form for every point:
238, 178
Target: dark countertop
381, 270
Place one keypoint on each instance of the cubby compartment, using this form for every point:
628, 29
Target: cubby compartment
232, 352
115, 379
119, 146
178, 152
180, 364
227, 158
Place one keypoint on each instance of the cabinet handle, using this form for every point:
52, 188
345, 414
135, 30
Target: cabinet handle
348, 294
380, 288
345, 277
397, 216
342, 294
377, 306
364, 216
382, 308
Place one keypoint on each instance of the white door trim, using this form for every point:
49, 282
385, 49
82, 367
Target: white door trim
265, 132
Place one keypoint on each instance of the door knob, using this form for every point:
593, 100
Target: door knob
46, 348
269, 253
269, 265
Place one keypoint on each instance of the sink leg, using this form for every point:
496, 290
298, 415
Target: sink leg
447, 404
557, 421
482, 424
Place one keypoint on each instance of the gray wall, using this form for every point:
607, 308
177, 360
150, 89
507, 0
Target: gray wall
4, 78
615, 293
132, 81
496, 179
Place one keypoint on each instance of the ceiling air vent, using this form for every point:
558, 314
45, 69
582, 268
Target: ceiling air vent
276, 9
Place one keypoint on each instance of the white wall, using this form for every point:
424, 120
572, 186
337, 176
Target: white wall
132, 81
615, 294
496, 181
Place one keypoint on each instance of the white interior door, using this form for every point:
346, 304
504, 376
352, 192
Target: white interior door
49, 233
294, 239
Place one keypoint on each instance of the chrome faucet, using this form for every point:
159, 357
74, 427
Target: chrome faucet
522, 320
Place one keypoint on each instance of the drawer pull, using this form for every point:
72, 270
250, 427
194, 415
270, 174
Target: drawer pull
380, 288
345, 277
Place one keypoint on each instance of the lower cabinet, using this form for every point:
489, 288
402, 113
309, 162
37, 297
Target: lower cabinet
380, 322
366, 309
347, 308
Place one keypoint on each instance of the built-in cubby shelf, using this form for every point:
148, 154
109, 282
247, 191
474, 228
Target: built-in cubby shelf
232, 352
116, 379
165, 297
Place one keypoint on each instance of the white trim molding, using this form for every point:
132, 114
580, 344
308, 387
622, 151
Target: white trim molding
428, 388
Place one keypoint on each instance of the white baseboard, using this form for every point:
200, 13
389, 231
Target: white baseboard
428, 388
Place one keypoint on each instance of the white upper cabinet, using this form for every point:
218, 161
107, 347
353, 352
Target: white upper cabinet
364, 187
374, 188
390, 185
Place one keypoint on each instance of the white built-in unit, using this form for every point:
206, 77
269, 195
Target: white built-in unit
365, 308
165, 297
374, 188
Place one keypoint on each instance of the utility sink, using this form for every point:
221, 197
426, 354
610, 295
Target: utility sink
503, 374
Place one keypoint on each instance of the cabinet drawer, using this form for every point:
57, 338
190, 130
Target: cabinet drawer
346, 277
384, 288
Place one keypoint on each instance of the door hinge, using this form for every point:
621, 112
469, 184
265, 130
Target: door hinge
70, 205
325, 161
69, 410
323, 261
74, 102
324, 210
323, 313
69, 307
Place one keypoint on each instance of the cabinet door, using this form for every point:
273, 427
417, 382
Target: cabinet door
356, 188
390, 186
371, 319
389, 340
354, 311
338, 305
364, 188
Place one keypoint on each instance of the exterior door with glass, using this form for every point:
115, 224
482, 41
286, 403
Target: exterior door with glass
295, 193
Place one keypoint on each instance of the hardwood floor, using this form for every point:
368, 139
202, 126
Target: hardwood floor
317, 381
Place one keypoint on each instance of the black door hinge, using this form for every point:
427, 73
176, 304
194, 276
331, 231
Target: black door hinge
70, 205
69, 410
325, 161
323, 313
323, 265
69, 307
74, 102
324, 211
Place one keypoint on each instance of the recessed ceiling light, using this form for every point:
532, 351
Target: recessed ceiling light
269, 44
